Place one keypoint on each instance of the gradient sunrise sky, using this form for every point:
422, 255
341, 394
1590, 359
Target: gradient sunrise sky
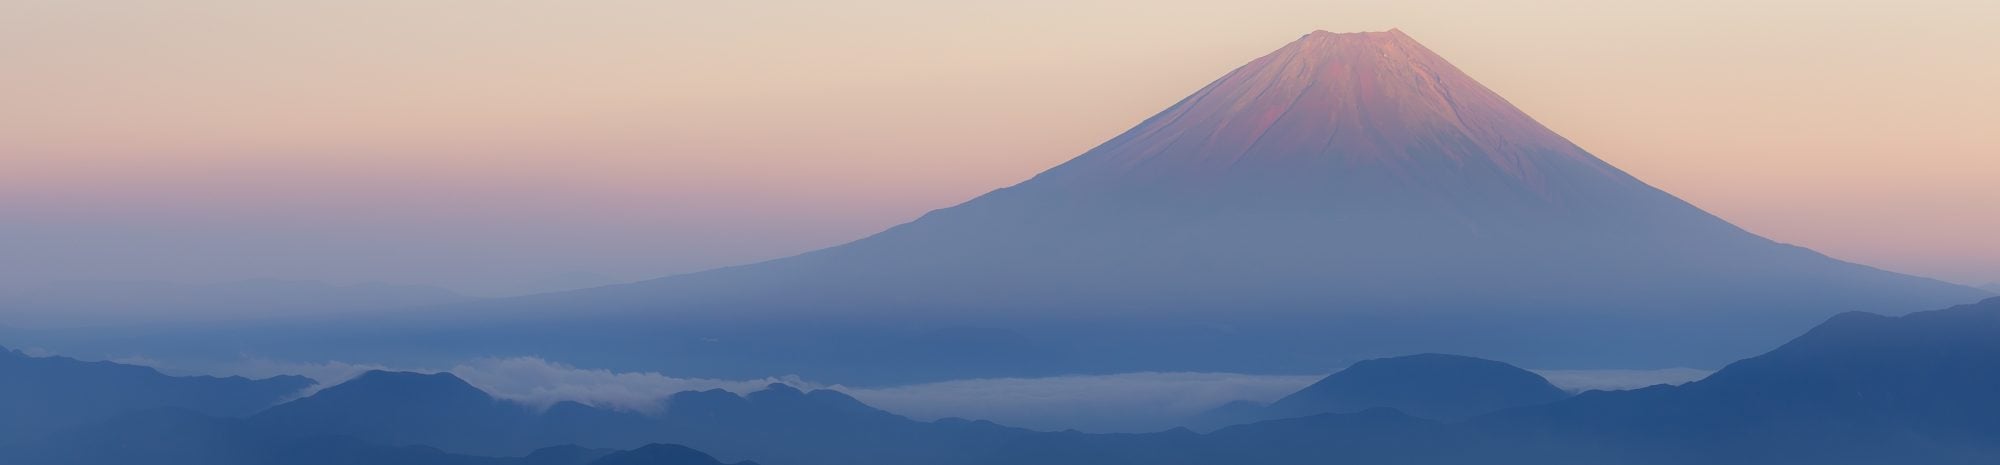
483, 145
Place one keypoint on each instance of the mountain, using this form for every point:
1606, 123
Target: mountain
568, 454
400, 408
1991, 287
1432, 386
101, 302
45, 394
180, 437
661, 454
1345, 195
776, 425
1342, 173
1858, 389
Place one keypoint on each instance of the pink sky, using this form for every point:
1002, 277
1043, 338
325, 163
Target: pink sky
480, 144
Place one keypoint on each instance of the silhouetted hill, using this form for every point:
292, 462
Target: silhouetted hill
44, 394
568, 454
179, 437
776, 425
1860, 388
1433, 386
1857, 389
661, 454
401, 408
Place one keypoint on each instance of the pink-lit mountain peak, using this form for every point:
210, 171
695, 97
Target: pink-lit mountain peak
1336, 105
1322, 192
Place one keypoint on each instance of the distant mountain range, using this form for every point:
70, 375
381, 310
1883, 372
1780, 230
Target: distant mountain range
1858, 389
40, 395
779, 424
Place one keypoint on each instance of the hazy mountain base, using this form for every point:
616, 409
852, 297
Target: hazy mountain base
96, 303
862, 351
1858, 389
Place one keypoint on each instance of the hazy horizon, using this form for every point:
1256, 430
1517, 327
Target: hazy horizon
1132, 402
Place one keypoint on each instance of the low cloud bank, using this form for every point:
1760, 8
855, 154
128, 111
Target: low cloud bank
528, 380
1099, 403
1613, 380
1127, 402
541, 383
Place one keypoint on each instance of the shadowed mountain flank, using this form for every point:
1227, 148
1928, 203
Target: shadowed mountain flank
39, 395
1434, 386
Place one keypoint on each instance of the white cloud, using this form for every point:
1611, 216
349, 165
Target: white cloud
528, 380
1118, 402
541, 383
327, 374
36, 352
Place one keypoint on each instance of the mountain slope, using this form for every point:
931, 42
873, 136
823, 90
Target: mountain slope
1341, 173
1434, 386
1859, 389
661, 454
179, 437
776, 425
1431, 386
45, 394
399, 408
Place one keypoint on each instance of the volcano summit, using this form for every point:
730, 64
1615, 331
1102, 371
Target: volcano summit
1346, 196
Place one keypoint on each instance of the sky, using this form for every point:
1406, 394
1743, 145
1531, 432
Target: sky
495, 146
